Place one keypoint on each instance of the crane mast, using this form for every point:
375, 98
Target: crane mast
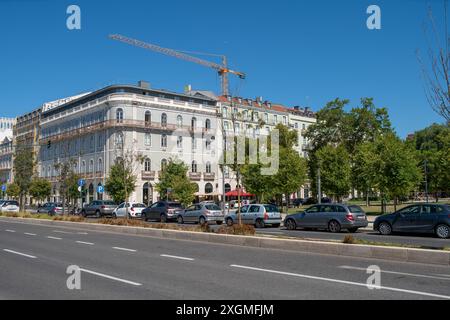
222, 69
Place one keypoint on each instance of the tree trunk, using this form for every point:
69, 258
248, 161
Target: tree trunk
367, 198
395, 204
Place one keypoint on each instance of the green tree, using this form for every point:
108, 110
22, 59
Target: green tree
363, 171
40, 189
23, 172
13, 190
335, 171
174, 177
396, 167
121, 180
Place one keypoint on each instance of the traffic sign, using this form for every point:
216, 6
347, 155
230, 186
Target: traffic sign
81, 182
4, 188
100, 189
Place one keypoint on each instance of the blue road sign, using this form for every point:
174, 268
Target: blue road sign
81, 182
100, 189
4, 188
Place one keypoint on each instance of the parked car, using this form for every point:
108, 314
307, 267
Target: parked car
202, 213
417, 218
309, 201
46, 207
134, 210
297, 202
56, 209
99, 208
332, 217
259, 215
9, 206
162, 211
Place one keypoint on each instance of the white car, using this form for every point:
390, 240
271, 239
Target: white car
9, 206
134, 210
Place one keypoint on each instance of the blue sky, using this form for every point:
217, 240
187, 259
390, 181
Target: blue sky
295, 52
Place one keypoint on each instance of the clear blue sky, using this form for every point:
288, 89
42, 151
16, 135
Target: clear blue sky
295, 52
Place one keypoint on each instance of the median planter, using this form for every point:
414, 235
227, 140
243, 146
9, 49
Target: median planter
315, 247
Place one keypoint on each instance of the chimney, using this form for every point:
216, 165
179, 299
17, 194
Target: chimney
143, 84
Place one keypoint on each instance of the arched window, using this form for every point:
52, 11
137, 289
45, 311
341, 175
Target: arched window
164, 120
119, 115
208, 144
207, 124
147, 165
193, 123
100, 165
227, 188
208, 167
179, 121
83, 166
180, 142
148, 139
148, 118
163, 164
163, 141
91, 166
209, 188
194, 167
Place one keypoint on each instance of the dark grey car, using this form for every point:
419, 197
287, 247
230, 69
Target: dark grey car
99, 208
332, 217
418, 218
162, 211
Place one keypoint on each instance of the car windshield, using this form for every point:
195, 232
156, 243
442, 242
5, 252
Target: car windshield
12, 203
355, 209
212, 207
271, 208
174, 205
109, 203
139, 205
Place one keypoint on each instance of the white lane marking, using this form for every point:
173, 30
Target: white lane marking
12, 231
176, 257
110, 277
124, 249
399, 273
444, 275
30, 234
82, 242
54, 238
341, 281
65, 232
82, 233
20, 254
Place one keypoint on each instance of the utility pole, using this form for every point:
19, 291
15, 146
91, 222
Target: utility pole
319, 187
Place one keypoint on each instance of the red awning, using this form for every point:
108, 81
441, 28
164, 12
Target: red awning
234, 193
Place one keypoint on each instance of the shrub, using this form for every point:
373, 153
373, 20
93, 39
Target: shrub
12, 214
349, 239
242, 230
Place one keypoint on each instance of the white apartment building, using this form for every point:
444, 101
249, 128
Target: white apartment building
6, 149
97, 128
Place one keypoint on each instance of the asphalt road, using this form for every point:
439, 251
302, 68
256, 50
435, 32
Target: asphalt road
34, 259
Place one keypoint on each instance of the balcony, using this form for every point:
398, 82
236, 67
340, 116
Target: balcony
209, 176
195, 176
148, 175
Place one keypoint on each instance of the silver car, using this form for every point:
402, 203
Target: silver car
201, 213
332, 217
259, 215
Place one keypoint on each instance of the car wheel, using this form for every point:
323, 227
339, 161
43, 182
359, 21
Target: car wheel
334, 226
83, 213
229, 222
260, 224
385, 229
352, 230
180, 220
163, 218
202, 221
219, 222
98, 214
443, 231
114, 215
290, 224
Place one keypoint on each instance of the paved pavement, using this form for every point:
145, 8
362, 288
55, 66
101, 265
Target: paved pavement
34, 259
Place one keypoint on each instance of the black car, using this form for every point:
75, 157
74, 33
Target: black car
417, 218
297, 202
162, 211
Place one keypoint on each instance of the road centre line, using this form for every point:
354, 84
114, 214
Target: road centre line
395, 272
110, 277
177, 257
124, 249
20, 254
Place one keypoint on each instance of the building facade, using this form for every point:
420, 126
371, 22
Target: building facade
6, 149
96, 129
